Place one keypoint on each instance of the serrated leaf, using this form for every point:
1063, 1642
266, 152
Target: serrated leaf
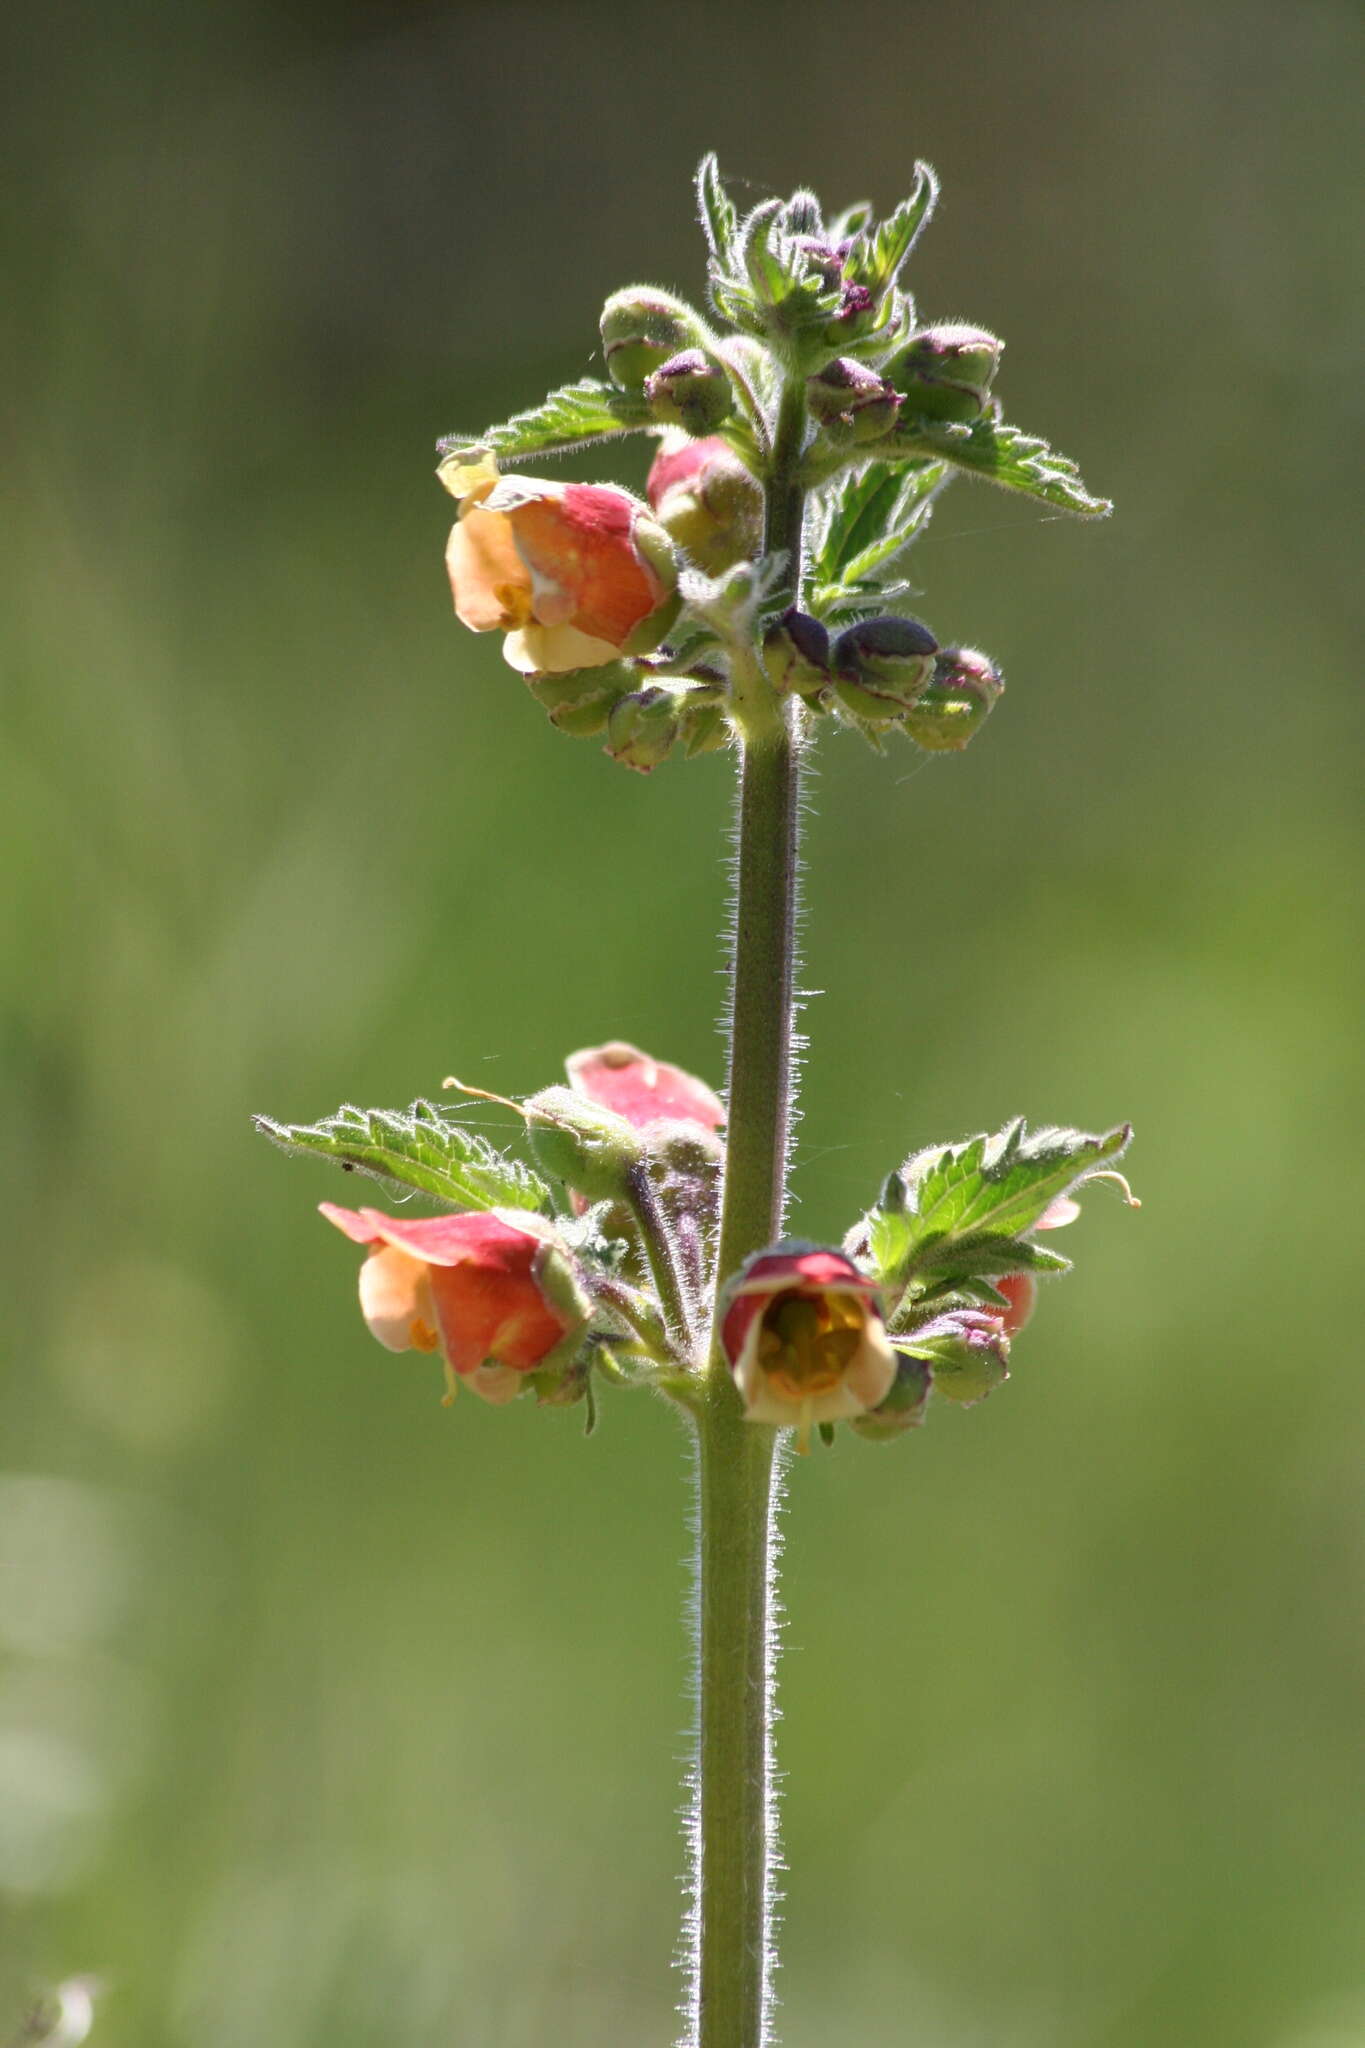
569, 418
416, 1148
1001, 1184
719, 220
878, 252
968, 1208
1007, 456
871, 519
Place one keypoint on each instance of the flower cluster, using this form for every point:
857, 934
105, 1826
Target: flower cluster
604, 1268
634, 620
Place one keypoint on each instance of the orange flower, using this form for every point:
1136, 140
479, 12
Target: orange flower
805, 1339
480, 1288
574, 574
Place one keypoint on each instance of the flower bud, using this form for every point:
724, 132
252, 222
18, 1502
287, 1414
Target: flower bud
493, 1290
707, 501
881, 666
903, 1408
956, 700
851, 402
804, 1338
641, 328
796, 653
946, 372
967, 1353
644, 1091
578, 1142
692, 391
643, 728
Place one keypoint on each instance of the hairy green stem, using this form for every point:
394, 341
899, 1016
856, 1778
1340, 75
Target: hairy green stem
735, 1845
643, 1198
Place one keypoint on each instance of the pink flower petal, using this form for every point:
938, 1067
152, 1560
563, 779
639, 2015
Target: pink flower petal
621, 1078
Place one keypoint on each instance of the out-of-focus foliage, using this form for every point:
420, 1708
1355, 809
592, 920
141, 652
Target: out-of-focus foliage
328, 1717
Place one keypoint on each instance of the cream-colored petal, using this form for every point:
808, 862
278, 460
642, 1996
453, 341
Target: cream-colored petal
873, 1372
489, 582
497, 1384
554, 650
395, 1298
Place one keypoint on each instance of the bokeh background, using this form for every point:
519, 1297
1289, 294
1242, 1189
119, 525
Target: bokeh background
327, 1717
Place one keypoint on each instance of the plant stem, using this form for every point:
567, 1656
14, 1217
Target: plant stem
735, 1842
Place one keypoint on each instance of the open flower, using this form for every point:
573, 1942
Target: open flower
574, 574
627, 1081
805, 1340
491, 1291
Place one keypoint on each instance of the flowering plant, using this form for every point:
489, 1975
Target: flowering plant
807, 427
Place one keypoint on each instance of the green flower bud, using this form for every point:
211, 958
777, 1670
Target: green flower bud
707, 500
851, 402
575, 1141
643, 727
946, 372
956, 700
579, 700
641, 328
967, 1352
903, 1407
796, 653
881, 666
691, 390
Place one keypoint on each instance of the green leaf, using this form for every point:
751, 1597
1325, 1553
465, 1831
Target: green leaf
720, 222
871, 518
568, 418
1007, 456
416, 1148
878, 252
962, 1213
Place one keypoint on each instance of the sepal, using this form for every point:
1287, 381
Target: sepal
903, 1407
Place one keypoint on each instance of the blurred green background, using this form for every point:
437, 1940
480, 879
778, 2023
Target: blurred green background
329, 1718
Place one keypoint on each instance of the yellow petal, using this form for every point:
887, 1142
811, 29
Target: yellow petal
554, 650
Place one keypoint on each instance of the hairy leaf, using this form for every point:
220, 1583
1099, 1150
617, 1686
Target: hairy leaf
1007, 456
962, 1213
720, 222
416, 1148
568, 418
878, 252
870, 518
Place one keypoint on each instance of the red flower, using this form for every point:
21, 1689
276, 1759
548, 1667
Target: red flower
574, 574
473, 1287
805, 1340
621, 1078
